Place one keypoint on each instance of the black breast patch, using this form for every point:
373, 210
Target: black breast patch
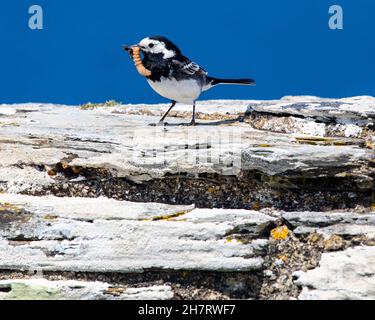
158, 66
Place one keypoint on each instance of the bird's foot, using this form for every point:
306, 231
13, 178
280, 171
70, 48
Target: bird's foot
159, 124
191, 124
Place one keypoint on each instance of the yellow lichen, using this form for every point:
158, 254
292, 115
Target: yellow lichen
9, 124
325, 141
256, 206
229, 239
280, 233
239, 240
50, 217
115, 291
169, 217
284, 258
5, 206
91, 106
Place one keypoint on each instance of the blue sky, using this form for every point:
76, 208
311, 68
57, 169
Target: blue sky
285, 45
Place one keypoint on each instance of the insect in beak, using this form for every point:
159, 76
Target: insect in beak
129, 49
135, 54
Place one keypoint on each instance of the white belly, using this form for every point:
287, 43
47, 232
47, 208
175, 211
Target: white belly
184, 91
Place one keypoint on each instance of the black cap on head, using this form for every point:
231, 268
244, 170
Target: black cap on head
168, 44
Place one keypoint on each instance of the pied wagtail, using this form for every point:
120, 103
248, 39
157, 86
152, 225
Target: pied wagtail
175, 77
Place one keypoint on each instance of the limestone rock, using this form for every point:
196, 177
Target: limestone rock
333, 224
157, 211
344, 275
112, 151
41, 289
104, 235
123, 144
348, 117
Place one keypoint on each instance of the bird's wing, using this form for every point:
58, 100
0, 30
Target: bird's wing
189, 67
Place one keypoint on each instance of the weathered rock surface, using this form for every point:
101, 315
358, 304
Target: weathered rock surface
225, 162
102, 235
349, 117
344, 275
41, 289
345, 224
96, 193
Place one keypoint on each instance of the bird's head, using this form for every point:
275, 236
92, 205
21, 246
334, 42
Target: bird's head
158, 45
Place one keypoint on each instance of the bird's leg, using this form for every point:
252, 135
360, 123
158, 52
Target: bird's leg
165, 115
192, 123
161, 122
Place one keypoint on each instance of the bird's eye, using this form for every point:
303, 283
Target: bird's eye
151, 45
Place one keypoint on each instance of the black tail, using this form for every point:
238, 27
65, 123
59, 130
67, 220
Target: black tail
215, 81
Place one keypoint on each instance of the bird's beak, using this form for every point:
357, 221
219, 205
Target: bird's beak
129, 49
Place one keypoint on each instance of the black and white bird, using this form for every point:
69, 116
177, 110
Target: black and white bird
174, 76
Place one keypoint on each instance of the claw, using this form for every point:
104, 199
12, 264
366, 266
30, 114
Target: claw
190, 124
159, 124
